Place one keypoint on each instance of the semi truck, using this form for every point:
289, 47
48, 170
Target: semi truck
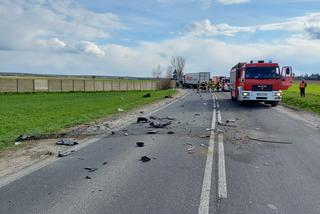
259, 82
191, 80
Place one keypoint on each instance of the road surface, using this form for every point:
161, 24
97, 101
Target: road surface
206, 166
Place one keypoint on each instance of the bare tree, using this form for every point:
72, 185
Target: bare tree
157, 71
178, 63
169, 73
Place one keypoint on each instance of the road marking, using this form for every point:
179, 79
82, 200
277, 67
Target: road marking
206, 185
214, 103
219, 117
218, 105
222, 179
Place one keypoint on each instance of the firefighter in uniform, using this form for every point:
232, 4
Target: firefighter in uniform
302, 88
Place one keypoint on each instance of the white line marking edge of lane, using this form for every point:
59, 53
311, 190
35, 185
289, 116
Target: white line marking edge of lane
206, 184
222, 179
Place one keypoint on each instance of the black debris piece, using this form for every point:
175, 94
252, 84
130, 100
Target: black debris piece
168, 96
147, 95
67, 142
140, 144
105, 163
145, 159
142, 120
196, 114
113, 132
170, 132
89, 169
152, 132
88, 177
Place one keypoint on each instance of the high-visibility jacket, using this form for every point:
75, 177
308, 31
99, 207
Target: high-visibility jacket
303, 85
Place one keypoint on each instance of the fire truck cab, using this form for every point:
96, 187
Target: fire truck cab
259, 82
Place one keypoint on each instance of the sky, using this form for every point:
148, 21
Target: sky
130, 38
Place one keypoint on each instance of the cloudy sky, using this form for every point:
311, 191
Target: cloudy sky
130, 37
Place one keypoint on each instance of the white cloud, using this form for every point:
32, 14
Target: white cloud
206, 28
233, 1
308, 24
91, 48
51, 43
25, 22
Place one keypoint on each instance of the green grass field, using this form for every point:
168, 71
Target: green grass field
44, 113
310, 103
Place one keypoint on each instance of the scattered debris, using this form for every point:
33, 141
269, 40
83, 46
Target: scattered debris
145, 159
113, 132
230, 121
190, 148
152, 132
168, 96
49, 153
159, 124
146, 95
226, 124
219, 131
268, 141
170, 132
17, 143
67, 142
120, 109
126, 134
204, 136
205, 103
203, 145
105, 163
196, 114
89, 169
209, 129
24, 137
142, 120
141, 112
140, 144
64, 154
88, 177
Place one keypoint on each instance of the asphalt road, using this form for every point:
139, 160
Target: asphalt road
195, 170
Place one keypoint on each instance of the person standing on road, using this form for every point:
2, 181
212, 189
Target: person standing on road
302, 88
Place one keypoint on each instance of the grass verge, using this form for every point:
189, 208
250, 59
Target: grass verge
44, 113
310, 103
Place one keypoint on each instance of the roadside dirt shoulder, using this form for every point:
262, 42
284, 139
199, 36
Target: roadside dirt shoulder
35, 151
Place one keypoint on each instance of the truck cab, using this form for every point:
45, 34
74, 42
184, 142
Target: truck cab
259, 82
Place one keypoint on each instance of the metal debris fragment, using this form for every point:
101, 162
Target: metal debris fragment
67, 142
145, 159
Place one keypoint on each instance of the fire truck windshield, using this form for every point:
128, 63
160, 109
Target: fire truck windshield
262, 73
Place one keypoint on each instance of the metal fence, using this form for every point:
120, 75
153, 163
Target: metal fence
23, 85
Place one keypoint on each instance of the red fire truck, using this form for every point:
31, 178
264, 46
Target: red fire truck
259, 82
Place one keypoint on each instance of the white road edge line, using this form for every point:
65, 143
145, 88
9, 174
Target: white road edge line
4, 181
214, 103
222, 179
206, 185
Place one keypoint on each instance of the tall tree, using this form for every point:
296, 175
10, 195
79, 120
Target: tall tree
157, 71
169, 73
178, 63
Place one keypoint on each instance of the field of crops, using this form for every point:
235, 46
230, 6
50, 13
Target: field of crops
43, 113
310, 103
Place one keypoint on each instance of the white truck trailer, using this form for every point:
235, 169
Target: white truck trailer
190, 80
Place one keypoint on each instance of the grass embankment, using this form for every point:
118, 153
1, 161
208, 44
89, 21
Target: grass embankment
44, 113
310, 103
